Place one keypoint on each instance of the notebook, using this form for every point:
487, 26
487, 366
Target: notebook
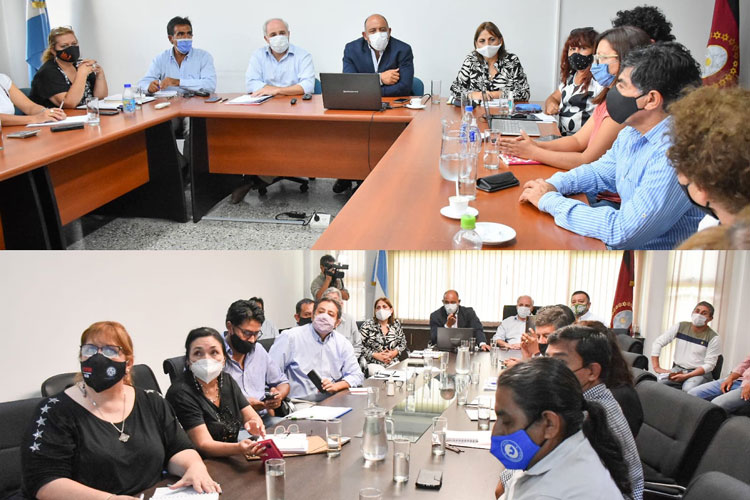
469, 439
248, 99
319, 413
185, 493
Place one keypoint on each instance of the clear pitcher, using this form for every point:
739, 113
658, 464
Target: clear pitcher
374, 434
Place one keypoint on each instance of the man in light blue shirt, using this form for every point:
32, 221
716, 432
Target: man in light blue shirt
279, 68
317, 346
655, 213
181, 67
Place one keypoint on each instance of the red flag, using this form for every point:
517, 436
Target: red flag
722, 65
622, 309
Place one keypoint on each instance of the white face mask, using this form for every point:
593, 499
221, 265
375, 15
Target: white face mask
206, 369
698, 319
524, 311
451, 308
379, 40
489, 51
279, 43
383, 314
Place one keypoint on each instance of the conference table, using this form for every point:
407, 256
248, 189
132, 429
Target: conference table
129, 166
474, 473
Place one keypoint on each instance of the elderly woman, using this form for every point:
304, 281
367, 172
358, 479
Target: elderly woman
64, 79
382, 338
209, 403
103, 439
490, 67
11, 97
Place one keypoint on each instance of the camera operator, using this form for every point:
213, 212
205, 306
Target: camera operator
331, 275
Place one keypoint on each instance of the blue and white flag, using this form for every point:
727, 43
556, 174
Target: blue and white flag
37, 31
380, 275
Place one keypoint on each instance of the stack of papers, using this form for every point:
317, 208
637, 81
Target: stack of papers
469, 439
70, 119
319, 413
186, 493
490, 384
248, 99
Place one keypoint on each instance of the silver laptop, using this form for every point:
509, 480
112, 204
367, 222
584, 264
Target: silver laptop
351, 91
444, 336
507, 126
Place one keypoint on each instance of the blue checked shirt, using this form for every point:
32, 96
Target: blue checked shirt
196, 71
655, 214
295, 68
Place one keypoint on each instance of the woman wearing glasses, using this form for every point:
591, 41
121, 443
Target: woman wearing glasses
102, 439
65, 80
208, 402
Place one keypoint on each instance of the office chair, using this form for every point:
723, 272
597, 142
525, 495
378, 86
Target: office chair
417, 87
717, 485
639, 375
267, 343
143, 378
16, 416
716, 372
629, 344
174, 367
57, 383
635, 360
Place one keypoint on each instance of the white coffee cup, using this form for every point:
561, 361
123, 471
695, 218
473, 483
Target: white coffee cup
459, 204
416, 102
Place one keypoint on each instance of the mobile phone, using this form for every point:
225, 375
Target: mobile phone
213, 99
109, 112
271, 450
401, 99
530, 325
267, 396
67, 126
430, 479
24, 134
315, 379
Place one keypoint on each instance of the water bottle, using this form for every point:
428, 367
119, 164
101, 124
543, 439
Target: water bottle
475, 137
128, 99
466, 124
467, 238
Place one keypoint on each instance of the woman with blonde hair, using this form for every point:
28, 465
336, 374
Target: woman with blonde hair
65, 80
383, 340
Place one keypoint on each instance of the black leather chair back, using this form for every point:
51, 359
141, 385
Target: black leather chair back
629, 344
57, 383
639, 375
267, 343
143, 378
174, 367
15, 417
728, 451
717, 485
716, 372
635, 360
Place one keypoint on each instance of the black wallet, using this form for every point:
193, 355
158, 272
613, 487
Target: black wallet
497, 182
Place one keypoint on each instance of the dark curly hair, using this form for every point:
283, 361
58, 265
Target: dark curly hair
583, 38
711, 143
650, 19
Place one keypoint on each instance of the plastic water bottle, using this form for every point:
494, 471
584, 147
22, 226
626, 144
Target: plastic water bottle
475, 137
467, 238
466, 124
128, 99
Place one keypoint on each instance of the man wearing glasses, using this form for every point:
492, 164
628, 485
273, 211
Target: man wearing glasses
248, 363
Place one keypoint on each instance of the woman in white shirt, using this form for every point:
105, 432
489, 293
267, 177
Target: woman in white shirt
542, 435
11, 97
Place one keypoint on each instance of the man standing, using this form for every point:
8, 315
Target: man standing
580, 303
509, 332
326, 279
696, 351
249, 364
655, 212
454, 315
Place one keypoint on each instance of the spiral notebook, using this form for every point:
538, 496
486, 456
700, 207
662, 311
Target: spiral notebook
469, 439
186, 493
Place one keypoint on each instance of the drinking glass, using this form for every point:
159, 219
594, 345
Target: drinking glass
462, 360
462, 389
401, 460
494, 356
492, 151
439, 428
333, 437
92, 111
427, 364
370, 494
443, 361
373, 395
474, 372
484, 413
275, 478
506, 102
450, 152
435, 87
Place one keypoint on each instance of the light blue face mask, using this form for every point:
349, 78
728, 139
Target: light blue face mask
601, 74
184, 45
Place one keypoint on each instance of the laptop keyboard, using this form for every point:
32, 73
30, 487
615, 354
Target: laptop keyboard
514, 127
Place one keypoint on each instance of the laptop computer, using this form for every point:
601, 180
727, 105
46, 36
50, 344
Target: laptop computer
508, 126
444, 336
351, 91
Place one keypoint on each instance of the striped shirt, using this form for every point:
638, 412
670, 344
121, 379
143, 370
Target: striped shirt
655, 213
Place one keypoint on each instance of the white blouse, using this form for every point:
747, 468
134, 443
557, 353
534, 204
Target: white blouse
6, 105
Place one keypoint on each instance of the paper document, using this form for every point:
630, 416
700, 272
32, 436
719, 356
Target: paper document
70, 119
469, 439
186, 492
319, 413
165, 93
358, 390
545, 118
118, 99
292, 443
490, 384
105, 105
248, 99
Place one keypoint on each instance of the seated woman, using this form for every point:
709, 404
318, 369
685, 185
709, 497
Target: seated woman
32, 112
599, 133
64, 79
573, 99
382, 338
102, 438
490, 67
541, 429
209, 403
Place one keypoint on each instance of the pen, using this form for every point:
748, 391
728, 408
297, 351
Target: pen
61, 104
141, 496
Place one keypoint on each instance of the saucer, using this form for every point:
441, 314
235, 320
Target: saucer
416, 107
493, 233
447, 212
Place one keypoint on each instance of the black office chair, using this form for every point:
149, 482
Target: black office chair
717, 485
629, 344
174, 367
16, 417
58, 383
143, 378
716, 372
635, 360
359, 324
640, 375
630, 403
267, 343
27, 92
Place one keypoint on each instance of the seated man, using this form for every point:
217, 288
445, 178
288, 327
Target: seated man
655, 212
318, 347
347, 327
732, 393
267, 329
304, 309
378, 52
509, 332
580, 303
454, 315
279, 68
546, 321
695, 354
326, 279
248, 363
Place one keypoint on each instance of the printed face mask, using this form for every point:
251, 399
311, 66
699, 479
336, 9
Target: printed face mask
514, 450
100, 373
579, 62
69, 54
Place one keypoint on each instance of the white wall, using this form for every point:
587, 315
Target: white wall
439, 31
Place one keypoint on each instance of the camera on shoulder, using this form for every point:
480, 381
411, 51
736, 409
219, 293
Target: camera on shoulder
335, 270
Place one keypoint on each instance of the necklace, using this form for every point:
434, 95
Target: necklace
201, 390
123, 437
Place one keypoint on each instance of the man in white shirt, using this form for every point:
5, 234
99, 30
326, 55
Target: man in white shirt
347, 327
510, 331
696, 351
580, 303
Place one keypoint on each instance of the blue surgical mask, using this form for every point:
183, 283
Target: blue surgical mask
514, 450
184, 45
602, 75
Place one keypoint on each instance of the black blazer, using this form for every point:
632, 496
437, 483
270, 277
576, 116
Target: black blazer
358, 59
467, 318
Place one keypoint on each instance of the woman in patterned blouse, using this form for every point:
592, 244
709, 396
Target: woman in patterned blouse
490, 67
382, 337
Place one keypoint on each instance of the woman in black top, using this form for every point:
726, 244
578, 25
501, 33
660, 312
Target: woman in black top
383, 340
209, 403
102, 436
64, 78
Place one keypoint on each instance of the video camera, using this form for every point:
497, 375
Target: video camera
335, 270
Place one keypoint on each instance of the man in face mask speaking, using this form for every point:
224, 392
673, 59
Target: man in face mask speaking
696, 351
454, 315
655, 213
509, 332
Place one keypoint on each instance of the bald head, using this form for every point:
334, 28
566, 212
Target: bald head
376, 22
450, 297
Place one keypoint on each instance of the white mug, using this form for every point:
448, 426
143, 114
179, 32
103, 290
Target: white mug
416, 101
459, 204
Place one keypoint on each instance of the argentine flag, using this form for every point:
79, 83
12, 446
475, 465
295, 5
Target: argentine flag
380, 275
37, 31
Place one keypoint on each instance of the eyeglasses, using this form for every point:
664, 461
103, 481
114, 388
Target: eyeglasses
604, 57
109, 351
291, 429
247, 333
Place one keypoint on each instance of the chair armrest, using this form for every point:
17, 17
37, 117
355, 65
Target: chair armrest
663, 490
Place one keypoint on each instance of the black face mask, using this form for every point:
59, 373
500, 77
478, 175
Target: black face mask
579, 62
620, 107
543, 349
241, 346
304, 321
100, 373
69, 54
706, 210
